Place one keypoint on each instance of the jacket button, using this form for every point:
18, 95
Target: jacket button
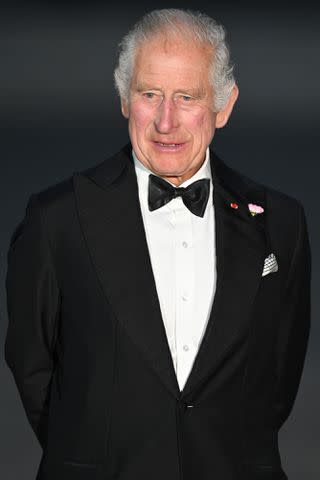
184, 406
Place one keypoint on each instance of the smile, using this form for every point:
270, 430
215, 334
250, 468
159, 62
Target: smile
172, 147
168, 144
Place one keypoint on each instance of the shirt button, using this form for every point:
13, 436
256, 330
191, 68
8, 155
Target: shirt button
185, 244
184, 297
185, 348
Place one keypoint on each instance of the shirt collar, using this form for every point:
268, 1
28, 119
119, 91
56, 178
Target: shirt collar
143, 173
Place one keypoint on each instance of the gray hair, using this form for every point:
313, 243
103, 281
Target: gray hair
188, 23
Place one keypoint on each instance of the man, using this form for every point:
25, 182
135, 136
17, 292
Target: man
159, 302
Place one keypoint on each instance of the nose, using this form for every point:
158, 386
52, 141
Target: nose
166, 118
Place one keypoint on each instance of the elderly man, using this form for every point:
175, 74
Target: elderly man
159, 302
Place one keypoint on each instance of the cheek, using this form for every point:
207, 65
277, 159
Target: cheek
140, 116
200, 123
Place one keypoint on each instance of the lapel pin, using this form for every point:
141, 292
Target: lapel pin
255, 209
234, 205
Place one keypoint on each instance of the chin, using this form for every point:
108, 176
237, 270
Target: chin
168, 168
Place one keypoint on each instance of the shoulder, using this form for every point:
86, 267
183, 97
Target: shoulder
61, 194
277, 201
285, 214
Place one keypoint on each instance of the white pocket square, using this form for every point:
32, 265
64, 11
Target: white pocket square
270, 264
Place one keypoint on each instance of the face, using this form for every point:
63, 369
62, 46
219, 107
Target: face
170, 110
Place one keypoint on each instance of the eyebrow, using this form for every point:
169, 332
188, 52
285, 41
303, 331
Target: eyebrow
141, 87
195, 92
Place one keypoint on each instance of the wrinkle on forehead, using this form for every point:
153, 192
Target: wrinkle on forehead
171, 48
172, 41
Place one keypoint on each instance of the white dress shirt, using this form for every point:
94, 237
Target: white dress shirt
182, 253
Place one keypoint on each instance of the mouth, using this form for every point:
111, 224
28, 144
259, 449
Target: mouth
166, 146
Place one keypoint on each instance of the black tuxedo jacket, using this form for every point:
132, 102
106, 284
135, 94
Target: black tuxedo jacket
88, 349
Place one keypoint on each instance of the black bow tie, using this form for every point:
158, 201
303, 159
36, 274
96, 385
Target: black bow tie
194, 196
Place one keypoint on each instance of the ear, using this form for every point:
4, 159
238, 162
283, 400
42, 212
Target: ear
224, 114
124, 108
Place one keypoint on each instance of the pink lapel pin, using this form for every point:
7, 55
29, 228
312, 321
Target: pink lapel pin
255, 209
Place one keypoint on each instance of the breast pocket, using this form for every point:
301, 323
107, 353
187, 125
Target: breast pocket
270, 265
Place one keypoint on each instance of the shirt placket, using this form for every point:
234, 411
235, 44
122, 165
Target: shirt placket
184, 287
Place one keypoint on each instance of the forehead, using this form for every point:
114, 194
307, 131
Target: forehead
171, 59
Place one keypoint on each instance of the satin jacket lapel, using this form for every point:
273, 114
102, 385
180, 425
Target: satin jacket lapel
110, 215
241, 246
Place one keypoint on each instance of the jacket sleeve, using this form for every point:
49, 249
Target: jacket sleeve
294, 327
33, 309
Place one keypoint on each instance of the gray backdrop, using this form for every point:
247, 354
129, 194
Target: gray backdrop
59, 113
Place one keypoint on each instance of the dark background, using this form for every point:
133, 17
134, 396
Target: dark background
60, 113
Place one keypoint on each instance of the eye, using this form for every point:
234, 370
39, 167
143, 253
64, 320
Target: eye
186, 98
149, 94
